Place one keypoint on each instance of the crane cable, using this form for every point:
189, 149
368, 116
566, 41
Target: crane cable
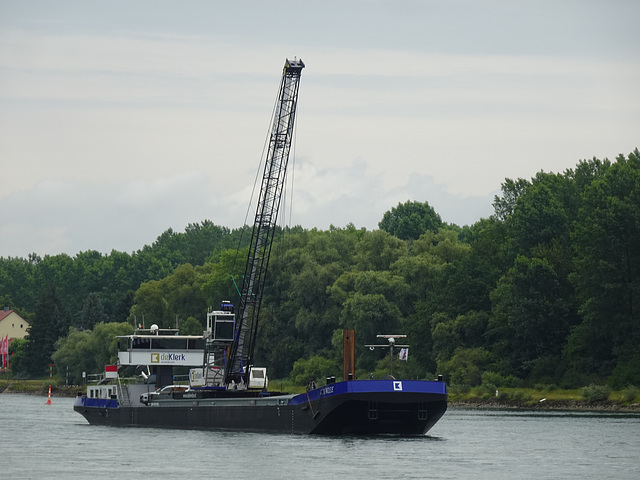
263, 159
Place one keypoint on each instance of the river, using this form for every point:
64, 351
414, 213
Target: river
40, 441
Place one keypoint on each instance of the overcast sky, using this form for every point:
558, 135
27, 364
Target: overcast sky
120, 119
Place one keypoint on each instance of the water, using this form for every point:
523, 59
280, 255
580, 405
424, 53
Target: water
52, 441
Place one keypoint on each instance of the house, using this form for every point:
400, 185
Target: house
12, 325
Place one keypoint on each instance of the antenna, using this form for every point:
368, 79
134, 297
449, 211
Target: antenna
391, 339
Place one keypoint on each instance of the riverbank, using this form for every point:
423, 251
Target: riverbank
549, 405
592, 398
40, 387
514, 399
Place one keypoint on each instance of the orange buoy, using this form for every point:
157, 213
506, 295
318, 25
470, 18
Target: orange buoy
49, 399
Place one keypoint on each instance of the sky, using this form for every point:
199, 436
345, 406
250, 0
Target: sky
120, 120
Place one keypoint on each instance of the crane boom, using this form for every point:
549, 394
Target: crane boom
273, 179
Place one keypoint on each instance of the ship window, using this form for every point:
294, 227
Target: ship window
142, 343
258, 374
223, 328
169, 344
195, 343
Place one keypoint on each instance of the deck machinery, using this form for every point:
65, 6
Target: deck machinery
225, 354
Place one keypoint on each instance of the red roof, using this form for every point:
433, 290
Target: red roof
5, 313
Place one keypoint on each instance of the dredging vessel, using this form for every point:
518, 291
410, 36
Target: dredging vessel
226, 391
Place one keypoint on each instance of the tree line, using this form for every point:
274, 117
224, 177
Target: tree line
544, 291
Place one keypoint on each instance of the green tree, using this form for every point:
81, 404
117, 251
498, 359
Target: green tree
104, 341
190, 326
225, 279
92, 312
50, 323
530, 320
17, 355
369, 315
74, 355
316, 369
176, 296
89, 351
539, 218
409, 220
300, 311
511, 190
19, 283
378, 250
607, 276
466, 366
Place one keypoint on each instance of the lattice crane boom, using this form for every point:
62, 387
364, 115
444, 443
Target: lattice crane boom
264, 226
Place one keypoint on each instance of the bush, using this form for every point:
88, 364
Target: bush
504, 396
595, 393
315, 368
459, 389
545, 388
492, 378
487, 390
625, 373
466, 366
521, 395
630, 393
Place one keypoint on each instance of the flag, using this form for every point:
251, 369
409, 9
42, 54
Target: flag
5, 350
404, 354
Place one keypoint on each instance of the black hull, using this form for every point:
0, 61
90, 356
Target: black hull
351, 413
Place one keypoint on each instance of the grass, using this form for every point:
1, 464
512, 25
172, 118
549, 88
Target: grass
550, 397
285, 386
38, 387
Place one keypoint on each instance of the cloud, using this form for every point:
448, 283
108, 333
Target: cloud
115, 128
66, 216
351, 193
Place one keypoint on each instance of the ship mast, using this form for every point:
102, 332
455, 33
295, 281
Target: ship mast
273, 179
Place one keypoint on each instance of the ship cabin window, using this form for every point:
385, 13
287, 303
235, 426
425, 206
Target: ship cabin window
223, 328
168, 344
195, 344
141, 343
160, 343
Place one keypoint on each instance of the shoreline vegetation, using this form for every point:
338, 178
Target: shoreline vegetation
40, 387
506, 399
541, 294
